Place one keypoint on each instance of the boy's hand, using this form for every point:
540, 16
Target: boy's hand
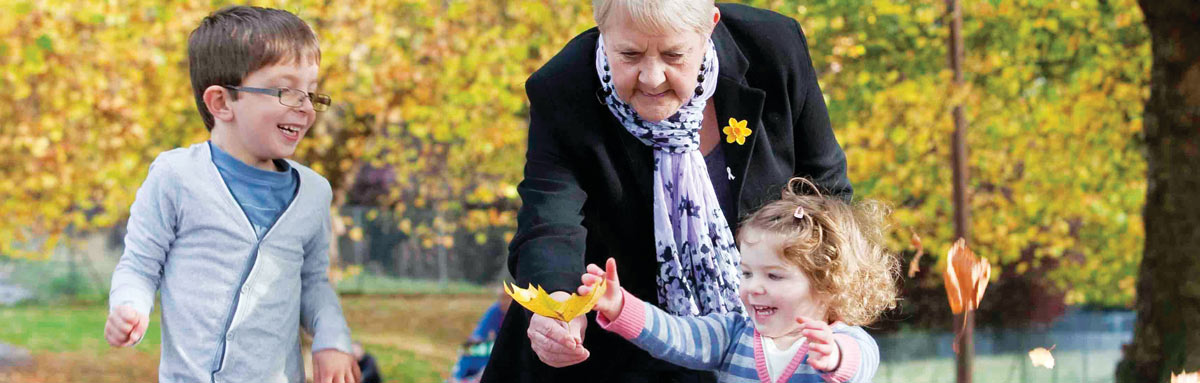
125, 326
824, 354
613, 300
333, 366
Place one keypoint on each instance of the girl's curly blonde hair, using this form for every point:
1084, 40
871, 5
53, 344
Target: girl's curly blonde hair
838, 246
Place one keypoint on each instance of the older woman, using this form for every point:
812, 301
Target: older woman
648, 137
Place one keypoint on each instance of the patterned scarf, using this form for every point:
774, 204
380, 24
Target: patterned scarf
697, 258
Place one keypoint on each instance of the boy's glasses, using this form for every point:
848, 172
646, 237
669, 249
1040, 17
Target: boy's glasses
290, 97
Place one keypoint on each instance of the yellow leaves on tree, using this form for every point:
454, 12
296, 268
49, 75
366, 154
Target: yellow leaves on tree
539, 302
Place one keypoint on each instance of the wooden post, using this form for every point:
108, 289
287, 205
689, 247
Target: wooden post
959, 139
966, 321
965, 330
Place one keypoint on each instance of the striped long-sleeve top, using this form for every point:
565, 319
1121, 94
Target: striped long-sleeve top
728, 344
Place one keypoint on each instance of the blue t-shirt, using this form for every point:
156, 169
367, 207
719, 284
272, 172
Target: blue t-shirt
262, 194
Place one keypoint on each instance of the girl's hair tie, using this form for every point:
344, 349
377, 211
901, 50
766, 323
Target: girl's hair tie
799, 213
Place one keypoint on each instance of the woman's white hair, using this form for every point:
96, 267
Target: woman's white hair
658, 16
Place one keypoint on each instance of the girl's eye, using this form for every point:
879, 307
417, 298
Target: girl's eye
745, 274
774, 277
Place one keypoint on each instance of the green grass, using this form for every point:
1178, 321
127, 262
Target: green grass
414, 337
69, 328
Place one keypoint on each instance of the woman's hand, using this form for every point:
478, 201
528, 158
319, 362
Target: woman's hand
823, 351
609, 305
551, 340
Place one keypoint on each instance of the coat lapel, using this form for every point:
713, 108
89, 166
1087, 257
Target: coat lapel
734, 99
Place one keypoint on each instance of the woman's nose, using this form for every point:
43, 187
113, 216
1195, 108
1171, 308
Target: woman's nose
651, 75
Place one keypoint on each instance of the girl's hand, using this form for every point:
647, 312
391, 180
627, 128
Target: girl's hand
824, 354
613, 300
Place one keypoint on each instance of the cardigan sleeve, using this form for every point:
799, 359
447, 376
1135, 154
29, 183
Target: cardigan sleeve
548, 247
699, 343
860, 356
320, 311
819, 157
151, 231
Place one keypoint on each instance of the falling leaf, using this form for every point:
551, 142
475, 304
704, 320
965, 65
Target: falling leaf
539, 302
966, 277
1041, 357
1186, 377
915, 266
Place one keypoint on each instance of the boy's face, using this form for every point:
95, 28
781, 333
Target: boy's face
263, 127
774, 291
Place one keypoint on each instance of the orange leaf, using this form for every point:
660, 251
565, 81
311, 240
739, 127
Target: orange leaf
966, 277
915, 265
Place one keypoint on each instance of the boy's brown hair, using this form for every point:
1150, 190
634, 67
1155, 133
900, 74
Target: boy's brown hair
235, 41
838, 246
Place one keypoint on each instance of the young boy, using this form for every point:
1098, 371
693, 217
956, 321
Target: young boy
234, 236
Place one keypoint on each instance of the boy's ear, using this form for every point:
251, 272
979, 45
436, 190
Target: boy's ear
217, 99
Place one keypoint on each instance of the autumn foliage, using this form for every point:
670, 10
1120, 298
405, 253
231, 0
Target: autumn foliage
432, 92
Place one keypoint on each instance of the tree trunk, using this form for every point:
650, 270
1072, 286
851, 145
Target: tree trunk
1166, 336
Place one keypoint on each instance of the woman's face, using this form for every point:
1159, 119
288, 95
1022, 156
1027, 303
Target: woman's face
655, 73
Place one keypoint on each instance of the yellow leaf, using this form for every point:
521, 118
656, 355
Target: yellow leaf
536, 300
1041, 357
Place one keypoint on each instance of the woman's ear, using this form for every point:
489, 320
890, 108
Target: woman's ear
716, 16
217, 99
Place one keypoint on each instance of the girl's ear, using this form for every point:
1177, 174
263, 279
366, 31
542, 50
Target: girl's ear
217, 99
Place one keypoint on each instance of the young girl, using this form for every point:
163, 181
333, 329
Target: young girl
807, 261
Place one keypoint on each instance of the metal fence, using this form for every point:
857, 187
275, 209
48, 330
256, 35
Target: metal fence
1086, 348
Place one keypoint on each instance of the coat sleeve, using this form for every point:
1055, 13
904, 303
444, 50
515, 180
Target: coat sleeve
819, 157
548, 248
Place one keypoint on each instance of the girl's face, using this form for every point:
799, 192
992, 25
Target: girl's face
775, 292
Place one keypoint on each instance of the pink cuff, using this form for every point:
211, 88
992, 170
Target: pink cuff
630, 321
851, 359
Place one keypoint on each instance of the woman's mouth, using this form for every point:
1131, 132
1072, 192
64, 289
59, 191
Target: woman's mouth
655, 95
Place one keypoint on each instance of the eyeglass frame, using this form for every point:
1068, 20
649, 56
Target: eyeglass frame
278, 93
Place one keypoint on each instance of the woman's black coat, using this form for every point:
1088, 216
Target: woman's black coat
587, 191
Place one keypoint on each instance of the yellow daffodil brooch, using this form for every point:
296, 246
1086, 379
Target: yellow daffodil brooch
736, 131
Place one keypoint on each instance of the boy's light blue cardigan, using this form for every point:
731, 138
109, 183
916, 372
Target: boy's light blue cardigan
231, 304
